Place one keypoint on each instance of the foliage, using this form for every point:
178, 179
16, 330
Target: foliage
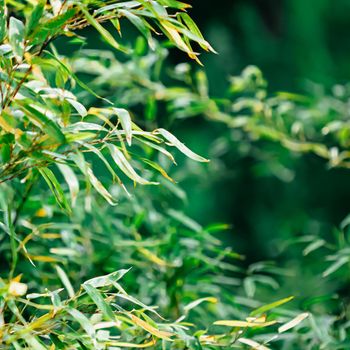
80, 125
301, 124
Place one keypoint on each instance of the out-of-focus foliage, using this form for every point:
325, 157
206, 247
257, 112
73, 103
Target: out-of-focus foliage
292, 123
54, 143
88, 261
291, 41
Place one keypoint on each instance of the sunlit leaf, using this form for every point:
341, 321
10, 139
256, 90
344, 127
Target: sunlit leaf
294, 322
147, 327
16, 37
180, 146
271, 306
243, 324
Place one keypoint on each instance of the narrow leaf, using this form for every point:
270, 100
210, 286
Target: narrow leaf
125, 120
253, 344
294, 322
83, 321
49, 126
107, 280
147, 327
243, 324
126, 167
55, 188
71, 180
104, 33
179, 145
99, 301
87, 171
131, 345
2, 21
268, 307
65, 280
335, 266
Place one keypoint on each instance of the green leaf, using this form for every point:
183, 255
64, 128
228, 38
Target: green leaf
99, 154
197, 302
157, 167
3, 31
175, 4
125, 120
185, 220
84, 322
34, 343
55, 188
151, 329
294, 322
87, 171
179, 145
126, 167
101, 304
195, 30
71, 180
59, 21
244, 324
104, 33
268, 307
173, 34
16, 37
65, 280
70, 73
252, 344
335, 266
41, 120
313, 246
141, 25
35, 16
78, 107
107, 280
158, 148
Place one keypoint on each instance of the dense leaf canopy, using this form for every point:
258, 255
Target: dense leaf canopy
97, 251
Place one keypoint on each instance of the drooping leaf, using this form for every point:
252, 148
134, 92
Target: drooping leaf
125, 119
147, 327
335, 266
107, 36
294, 322
48, 125
90, 176
180, 146
55, 188
71, 180
126, 167
253, 344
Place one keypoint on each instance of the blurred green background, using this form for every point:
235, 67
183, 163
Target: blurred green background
300, 46
292, 41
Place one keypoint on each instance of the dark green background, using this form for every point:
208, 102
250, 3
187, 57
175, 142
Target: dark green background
297, 44
290, 40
